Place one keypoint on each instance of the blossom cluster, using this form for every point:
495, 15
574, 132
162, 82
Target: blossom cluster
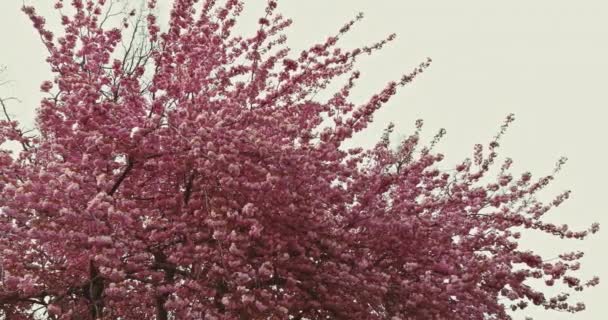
197, 175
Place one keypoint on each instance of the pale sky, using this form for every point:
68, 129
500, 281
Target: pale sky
545, 61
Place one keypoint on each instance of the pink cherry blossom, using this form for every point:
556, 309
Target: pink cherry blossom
197, 175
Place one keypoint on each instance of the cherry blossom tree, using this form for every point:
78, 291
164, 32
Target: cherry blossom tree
196, 174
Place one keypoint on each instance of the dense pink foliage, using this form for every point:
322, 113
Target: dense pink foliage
201, 178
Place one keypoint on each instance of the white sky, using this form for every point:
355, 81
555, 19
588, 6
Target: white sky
543, 60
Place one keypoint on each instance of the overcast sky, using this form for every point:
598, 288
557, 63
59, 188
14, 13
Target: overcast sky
544, 60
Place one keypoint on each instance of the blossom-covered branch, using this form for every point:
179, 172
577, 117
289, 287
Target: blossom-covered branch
195, 173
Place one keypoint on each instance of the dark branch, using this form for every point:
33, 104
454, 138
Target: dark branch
122, 177
188, 191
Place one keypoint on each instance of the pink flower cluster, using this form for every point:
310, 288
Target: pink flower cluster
196, 175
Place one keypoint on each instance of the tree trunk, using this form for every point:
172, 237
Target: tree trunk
94, 292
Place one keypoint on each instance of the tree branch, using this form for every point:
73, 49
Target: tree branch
122, 177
